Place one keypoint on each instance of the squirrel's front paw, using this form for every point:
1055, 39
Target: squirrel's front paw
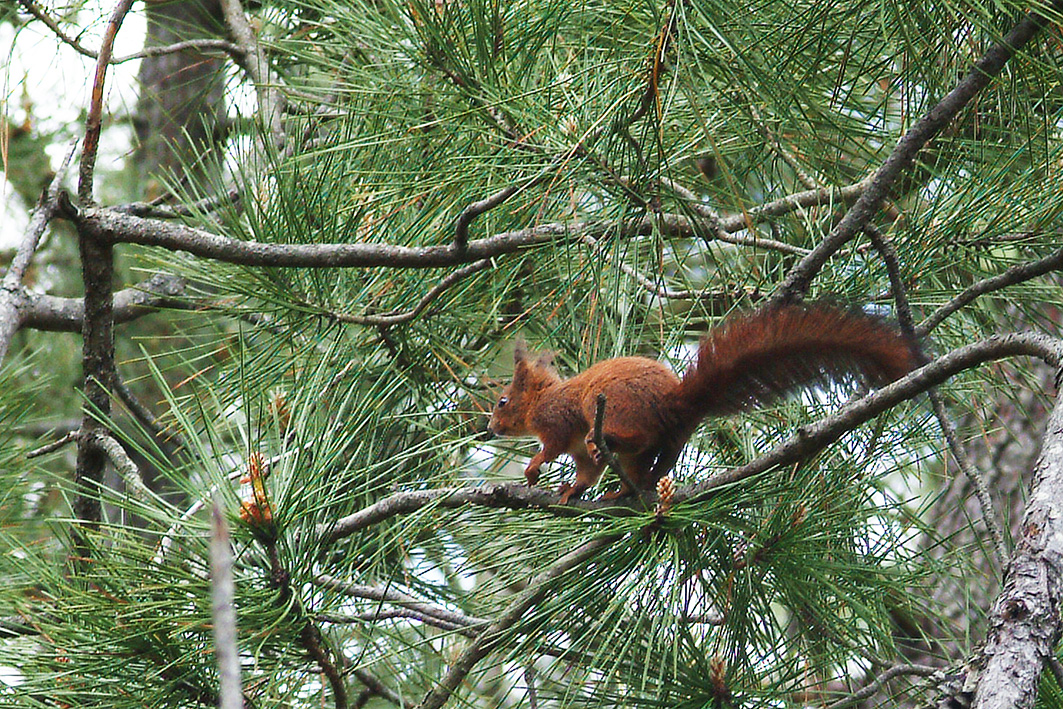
531, 474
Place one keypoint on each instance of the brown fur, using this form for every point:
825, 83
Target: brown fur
650, 413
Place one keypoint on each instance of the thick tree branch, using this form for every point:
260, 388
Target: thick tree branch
1025, 624
54, 314
808, 440
903, 156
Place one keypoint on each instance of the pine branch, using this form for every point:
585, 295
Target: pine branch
903, 156
537, 589
806, 441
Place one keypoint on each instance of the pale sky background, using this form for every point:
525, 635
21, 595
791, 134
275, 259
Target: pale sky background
55, 81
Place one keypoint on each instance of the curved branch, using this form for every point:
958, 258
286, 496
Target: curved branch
903, 155
11, 291
437, 290
904, 317
1015, 274
806, 441
815, 436
492, 635
885, 676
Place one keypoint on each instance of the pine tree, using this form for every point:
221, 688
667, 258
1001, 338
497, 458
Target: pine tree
407, 188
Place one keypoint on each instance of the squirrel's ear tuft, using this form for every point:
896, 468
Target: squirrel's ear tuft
520, 350
545, 359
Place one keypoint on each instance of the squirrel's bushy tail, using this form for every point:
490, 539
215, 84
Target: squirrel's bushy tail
754, 359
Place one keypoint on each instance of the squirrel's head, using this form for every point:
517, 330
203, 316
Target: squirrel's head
531, 375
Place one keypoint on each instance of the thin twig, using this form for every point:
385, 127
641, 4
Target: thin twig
398, 598
598, 436
68, 437
156, 209
789, 158
904, 316
1012, 276
724, 228
94, 119
437, 290
35, 10
146, 418
201, 45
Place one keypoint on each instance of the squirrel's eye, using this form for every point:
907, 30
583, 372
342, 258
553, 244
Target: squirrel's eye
503, 401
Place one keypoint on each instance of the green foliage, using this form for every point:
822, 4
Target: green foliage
408, 112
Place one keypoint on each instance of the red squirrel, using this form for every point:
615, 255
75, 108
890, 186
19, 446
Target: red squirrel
650, 413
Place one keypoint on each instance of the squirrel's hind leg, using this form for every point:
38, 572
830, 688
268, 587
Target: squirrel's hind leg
587, 473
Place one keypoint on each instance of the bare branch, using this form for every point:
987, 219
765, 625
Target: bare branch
55, 314
35, 10
461, 226
12, 300
881, 679
68, 437
201, 45
127, 228
223, 593
122, 463
94, 121
904, 154
398, 598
